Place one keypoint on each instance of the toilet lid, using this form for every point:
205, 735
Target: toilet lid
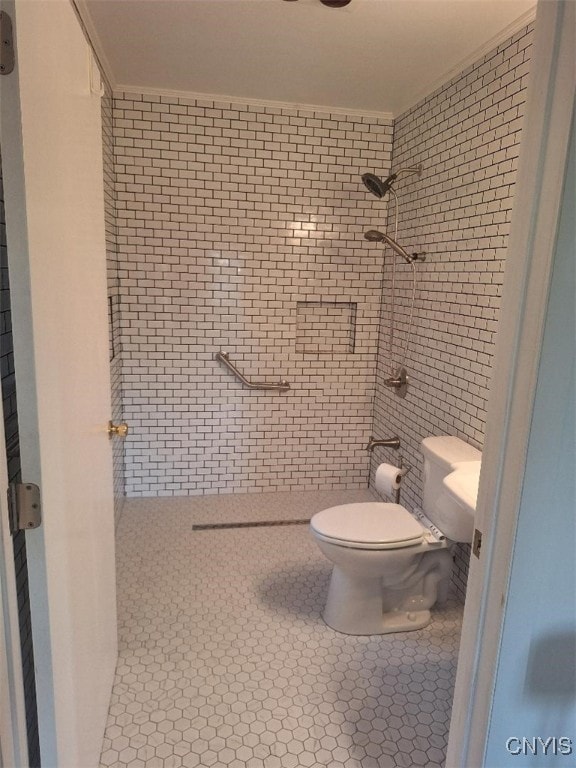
373, 524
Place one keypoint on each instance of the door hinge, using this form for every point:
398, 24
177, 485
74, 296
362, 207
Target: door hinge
6, 44
24, 506
477, 543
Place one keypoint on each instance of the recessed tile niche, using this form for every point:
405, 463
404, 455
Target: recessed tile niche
325, 327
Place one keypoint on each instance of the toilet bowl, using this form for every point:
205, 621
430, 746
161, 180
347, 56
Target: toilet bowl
389, 569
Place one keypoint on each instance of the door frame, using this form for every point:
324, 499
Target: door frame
13, 733
529, 259
13, 736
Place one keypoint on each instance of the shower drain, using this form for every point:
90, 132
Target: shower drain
258, 524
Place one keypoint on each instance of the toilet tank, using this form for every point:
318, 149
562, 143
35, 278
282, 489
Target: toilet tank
440, 455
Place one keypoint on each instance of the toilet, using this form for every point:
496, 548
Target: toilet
389, 568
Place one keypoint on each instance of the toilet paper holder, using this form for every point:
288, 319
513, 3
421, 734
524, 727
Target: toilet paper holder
403, 472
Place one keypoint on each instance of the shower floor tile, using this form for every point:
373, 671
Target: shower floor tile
225, 661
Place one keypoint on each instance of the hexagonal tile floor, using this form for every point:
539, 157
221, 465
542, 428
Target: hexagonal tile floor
225, 660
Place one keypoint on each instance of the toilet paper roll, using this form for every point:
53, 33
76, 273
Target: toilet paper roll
388, 479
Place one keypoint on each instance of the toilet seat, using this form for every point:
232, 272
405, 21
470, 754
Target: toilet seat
371, 525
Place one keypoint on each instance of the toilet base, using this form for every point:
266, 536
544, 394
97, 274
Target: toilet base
395, 621
358, 604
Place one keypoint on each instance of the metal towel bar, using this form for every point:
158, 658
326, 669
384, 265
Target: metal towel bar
223, 357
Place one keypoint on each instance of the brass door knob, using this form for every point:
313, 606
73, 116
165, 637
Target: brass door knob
121, 430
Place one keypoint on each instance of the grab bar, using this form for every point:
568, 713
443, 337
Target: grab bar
223, 357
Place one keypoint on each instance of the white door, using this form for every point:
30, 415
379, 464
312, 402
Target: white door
503, 515
52, 150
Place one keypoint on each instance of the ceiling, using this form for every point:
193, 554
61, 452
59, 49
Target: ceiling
373, 56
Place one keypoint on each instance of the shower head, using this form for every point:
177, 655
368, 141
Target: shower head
377, 187
374, 236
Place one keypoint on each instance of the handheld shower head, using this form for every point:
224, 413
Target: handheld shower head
374, 236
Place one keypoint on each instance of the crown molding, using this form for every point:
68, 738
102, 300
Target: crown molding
83, 14
478, 53
246, 101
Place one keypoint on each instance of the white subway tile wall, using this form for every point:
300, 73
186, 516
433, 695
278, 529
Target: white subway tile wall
467, 136
230, 218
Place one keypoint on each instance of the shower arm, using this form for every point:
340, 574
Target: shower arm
417, 169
